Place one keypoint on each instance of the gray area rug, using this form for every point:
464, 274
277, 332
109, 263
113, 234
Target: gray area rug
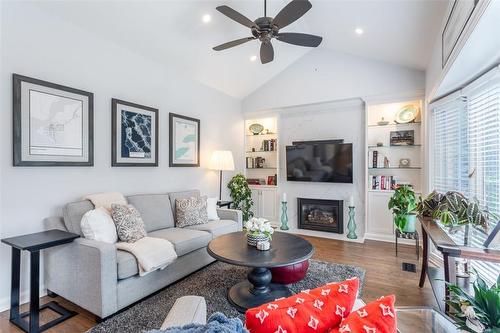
212, 282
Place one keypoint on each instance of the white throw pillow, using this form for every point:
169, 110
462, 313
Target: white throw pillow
106, 199
98, 225
212, 209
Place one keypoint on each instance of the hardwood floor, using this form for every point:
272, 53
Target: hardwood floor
384, 276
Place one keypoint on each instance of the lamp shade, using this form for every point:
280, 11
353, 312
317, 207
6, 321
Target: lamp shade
221, 160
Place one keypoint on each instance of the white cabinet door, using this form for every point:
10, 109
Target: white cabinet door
380, 220
268, 203
256, 208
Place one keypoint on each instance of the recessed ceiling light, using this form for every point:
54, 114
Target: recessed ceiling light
253, 58
206, 18
358, 31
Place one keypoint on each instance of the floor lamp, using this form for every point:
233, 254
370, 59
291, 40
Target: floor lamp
222, 160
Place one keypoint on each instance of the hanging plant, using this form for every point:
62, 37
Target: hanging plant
241, 195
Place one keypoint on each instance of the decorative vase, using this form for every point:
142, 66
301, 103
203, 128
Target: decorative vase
252, 240
284, 216
351, 226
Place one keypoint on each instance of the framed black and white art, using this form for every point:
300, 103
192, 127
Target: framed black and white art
184, 143
53, 124
134, 130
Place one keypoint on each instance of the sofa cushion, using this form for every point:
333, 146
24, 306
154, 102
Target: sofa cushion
216, 228
126, 264
181, 195
73, 213
155, 210
184, 240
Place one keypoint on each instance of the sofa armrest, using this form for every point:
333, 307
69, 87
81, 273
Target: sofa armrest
231, 214
186, 310
84, 272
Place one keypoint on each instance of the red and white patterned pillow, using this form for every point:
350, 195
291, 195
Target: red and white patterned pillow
316, 310
376, 317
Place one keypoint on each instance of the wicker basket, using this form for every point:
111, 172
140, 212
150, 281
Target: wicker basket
253, 239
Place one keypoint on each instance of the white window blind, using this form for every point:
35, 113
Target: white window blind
466, 140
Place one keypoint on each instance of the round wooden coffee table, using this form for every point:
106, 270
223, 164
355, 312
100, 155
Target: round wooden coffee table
286, 249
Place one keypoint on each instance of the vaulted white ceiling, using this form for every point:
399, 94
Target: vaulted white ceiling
172, 32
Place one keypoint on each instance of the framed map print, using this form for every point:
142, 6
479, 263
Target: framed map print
184, 135
134, 130
53, 124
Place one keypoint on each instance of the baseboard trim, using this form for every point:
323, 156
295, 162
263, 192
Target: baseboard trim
24, 298
321, 234
389, 239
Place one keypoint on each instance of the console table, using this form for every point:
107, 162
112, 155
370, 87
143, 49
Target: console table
450, 248
33, 243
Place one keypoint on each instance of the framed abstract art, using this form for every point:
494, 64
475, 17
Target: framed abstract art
53, 124
184, 141
134, 130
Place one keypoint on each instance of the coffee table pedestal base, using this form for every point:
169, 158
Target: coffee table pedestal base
256, 291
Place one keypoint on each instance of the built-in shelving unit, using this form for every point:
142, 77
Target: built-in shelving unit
379, 220
262, 164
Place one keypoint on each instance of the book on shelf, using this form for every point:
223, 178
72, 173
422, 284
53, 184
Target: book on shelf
377, 160
269, 145
382, 183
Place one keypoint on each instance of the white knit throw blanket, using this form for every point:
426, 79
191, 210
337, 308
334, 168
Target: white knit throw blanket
151, 253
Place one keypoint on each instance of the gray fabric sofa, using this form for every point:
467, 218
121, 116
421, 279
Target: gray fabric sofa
102, 279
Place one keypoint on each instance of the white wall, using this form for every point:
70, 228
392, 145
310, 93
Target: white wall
37, 44
324, 75
342, 120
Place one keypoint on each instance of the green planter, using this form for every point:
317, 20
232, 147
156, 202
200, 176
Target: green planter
410, 223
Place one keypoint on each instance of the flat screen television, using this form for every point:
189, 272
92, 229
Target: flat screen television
319, 161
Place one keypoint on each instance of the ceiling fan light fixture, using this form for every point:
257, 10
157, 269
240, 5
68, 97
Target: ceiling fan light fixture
265, 29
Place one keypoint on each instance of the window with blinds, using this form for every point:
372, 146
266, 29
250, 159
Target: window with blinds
466, 142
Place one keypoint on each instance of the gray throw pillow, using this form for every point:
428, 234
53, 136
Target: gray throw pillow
129, 224
191, 211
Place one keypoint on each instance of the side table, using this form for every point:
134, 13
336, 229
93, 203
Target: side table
221, 204
33, 243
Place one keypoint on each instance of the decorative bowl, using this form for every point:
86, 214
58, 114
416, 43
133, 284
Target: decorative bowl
256, 129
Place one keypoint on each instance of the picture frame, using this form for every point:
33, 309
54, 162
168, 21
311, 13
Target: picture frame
458, 18
184, 141
402, 138
134, 134
53, 125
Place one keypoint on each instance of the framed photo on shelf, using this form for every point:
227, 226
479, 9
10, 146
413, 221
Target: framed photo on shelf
402, 138
134, 134
53, 124
184, 141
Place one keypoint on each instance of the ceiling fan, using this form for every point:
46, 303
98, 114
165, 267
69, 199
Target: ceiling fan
266, 28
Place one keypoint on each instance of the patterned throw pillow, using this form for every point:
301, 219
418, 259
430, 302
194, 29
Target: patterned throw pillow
129, 224
316, 310
191, 211
375, 317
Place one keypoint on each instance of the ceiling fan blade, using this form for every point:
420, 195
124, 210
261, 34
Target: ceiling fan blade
299, 39
266, 52
233, 43
291, 12
234, 15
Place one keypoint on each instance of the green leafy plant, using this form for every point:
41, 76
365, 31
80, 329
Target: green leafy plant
454, 209
242, 195
478, 313
403, 203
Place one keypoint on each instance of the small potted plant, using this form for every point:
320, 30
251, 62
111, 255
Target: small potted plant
479, 313
258, 230
404, 205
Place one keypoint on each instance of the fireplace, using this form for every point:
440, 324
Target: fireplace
321, 215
